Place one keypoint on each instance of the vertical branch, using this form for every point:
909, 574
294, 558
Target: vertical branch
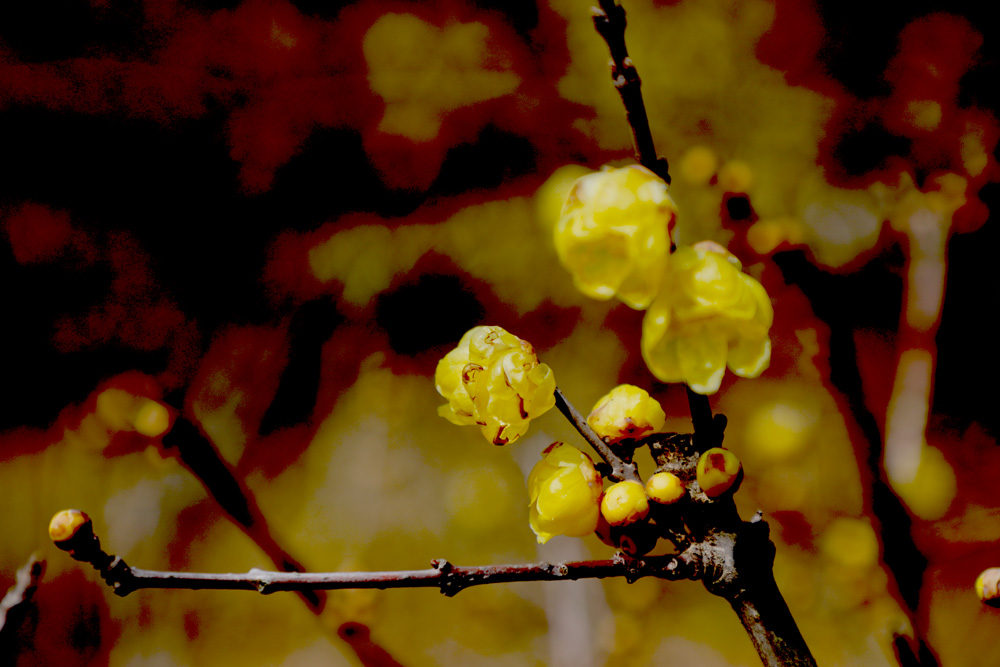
739, 559
610, 22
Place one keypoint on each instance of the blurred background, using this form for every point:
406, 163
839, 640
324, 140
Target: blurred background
275, 216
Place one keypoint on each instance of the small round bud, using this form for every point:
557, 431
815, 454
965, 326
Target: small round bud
626, 412
624, 503
665, 488
988, 586
718, 471
66, 525
151, 418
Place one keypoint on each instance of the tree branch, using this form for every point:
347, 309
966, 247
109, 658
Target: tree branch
450, 579
620, 469
610, 22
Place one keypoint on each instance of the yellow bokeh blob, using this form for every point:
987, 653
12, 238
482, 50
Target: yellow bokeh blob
422, 71
929, 494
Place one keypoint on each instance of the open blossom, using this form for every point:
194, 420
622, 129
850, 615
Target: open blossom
708, 315
626, 412
494, 379
614, 234
564, 489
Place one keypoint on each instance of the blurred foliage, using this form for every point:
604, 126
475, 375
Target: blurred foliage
275, 216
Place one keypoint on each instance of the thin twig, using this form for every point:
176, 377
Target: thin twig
450, 579
620, 470
609, 21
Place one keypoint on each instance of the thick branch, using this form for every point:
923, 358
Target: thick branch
620, 469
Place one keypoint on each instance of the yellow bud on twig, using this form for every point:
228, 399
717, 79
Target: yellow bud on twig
625, 503
66, 525
719, 470
665, 488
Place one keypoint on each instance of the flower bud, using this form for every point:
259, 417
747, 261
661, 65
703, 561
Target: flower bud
67, 524
494, 379
564, 490
708, 315
626, 412
614, 234
665, 488
625, 503
718, 471
988, 586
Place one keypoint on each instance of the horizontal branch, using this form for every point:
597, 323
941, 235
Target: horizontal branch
449, 579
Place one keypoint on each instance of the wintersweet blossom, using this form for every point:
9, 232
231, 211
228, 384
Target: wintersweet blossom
614, 234
564, 490
626, 412
708, 315
494, 379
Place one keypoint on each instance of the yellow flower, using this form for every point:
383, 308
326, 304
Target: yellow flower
626, 412
625, 503
614, 234
709, 315
565, 492
494, 379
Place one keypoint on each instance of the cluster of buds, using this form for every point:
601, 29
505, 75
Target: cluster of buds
566, 493
494, 379
704, 314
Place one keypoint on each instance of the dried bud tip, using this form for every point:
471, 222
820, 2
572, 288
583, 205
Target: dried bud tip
67, 524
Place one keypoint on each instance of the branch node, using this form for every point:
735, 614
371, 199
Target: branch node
558, 569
